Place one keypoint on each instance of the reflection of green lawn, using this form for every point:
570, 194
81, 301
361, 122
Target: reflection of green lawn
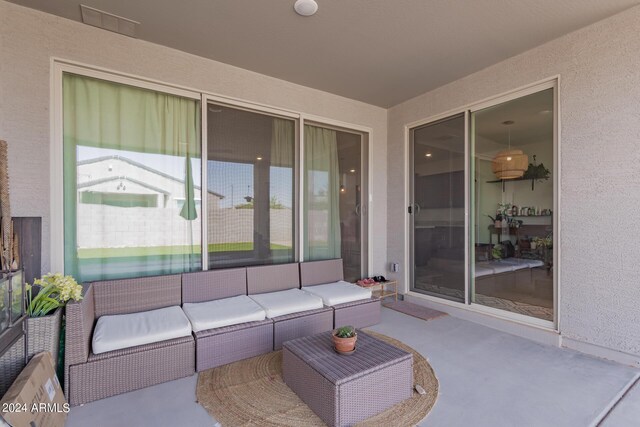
168, 250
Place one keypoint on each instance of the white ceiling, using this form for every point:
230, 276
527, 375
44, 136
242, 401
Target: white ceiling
381, 52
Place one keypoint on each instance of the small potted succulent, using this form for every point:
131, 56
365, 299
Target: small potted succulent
344, 339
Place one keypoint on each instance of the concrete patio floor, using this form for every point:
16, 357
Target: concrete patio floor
487, 378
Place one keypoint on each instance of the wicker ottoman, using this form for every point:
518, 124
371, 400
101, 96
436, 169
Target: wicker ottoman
343, 390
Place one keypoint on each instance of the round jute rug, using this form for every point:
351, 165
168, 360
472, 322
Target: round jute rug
252, 393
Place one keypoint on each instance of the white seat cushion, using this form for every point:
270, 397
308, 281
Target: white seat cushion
499, 267
338, 292
482, 271
531, 263
287, 302
114, 332
223, 312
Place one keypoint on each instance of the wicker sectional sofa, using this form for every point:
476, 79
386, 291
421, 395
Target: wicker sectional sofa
218, 333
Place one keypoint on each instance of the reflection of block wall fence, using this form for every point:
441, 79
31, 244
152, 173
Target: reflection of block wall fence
236, 225
102, 226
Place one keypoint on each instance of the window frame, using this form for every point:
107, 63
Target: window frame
58, 66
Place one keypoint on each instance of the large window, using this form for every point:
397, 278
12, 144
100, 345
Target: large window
250, 182
140, 197
131, 169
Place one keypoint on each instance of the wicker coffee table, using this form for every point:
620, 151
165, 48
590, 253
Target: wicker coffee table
345, 389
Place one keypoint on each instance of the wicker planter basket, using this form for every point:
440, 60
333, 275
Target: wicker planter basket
43, 334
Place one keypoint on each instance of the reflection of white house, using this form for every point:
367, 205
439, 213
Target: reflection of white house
124, 203
119, 181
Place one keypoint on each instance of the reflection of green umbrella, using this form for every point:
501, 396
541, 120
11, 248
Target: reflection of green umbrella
188, 211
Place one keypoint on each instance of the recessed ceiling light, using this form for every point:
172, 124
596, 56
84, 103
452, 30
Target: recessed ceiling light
544, 112
428, 155
258, 158
352, 171
305, 7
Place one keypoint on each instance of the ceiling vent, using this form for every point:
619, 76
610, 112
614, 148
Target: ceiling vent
109, 21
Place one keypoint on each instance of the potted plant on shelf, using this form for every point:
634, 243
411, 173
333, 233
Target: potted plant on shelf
344, 339
44, 311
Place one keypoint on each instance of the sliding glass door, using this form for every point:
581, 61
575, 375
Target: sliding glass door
504, 152
513, 160
335, 208
437, 208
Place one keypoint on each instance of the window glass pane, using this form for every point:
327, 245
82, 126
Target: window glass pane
512, 191
250, 178
333, 205
131, 181
438, 226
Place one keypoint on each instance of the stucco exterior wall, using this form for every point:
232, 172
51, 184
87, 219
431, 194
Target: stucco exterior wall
599, 68
28, 40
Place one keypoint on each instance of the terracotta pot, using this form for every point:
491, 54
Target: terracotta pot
344, 345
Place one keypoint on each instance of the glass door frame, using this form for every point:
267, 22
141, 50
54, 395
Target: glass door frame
366, 201
549, 83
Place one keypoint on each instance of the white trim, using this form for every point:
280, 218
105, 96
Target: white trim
370, 203
408, 219
557, 228
204, 185
301, 190
600, 351
297, 203
116, 77
467, 209
516, 317
514, 94
250, 107
346, 126
56, 169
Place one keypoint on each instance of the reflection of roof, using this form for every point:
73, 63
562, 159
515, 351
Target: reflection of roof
122, 178
141, 166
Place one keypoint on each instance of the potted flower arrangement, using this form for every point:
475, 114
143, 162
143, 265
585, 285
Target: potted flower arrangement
344, 339
44, 311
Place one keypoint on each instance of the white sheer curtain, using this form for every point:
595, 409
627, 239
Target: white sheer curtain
322, 236
131, 157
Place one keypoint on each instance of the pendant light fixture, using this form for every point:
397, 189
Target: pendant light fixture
509, 164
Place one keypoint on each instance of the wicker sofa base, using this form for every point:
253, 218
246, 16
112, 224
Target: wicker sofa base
358, 314
216, 347
121, 371
351, 401
301, 324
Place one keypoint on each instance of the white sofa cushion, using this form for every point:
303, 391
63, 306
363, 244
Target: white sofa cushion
287, 302
480, 271
338, 292
114, 332
223, 312
516, 263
